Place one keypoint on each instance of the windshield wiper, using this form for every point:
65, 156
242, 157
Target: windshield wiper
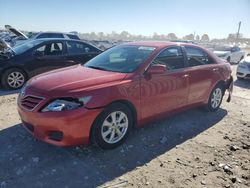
99, 68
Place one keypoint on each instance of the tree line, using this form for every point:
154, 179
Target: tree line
124, 35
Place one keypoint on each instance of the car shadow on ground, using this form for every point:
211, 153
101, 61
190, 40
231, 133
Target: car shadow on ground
25, 162
242, 83
8, 92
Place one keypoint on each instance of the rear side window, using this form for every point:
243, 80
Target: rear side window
79, 47
171, 57
197, 57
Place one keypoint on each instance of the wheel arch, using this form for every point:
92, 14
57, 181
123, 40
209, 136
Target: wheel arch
16, 67
127, 103
219, 82
130, 106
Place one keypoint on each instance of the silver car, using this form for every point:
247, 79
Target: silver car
243, 69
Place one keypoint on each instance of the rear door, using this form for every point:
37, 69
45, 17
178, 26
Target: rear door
203, 73
80, 52
168, 91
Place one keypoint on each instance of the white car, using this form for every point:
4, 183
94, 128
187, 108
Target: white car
243, 69
231, 54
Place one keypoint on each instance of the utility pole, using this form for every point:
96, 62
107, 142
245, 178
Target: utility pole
237, 37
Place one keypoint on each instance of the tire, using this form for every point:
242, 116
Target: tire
228, 59
101, 133
13, 78
215, 98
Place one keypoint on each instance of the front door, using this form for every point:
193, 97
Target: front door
48, 57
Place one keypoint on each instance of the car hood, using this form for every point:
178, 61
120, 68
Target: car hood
15, 31
71, 80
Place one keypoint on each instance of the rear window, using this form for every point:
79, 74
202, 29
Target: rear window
73, 37
50, 35
79, 47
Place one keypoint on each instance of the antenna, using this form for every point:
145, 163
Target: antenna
237, 37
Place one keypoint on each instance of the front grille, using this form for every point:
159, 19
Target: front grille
30, 102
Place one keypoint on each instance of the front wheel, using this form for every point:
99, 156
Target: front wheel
112, 127
215, 98
13, 78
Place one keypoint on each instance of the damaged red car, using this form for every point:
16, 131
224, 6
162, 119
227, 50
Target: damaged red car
122, 88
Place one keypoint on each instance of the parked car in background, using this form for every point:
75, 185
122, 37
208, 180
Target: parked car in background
17, 37
231, 54
49, 34
22, 62
243, 69
125, 86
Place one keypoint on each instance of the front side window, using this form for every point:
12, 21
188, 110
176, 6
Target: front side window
124, 58
55, 48
171, 57
197, 57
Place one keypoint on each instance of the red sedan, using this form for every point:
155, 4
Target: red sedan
122, 88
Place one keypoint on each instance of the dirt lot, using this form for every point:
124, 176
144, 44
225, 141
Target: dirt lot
189, 149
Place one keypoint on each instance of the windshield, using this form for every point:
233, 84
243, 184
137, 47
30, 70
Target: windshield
124, 58
222, 48
25, 46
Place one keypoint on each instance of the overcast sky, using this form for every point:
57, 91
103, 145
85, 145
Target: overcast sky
217, 18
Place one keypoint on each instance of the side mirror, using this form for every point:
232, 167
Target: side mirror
157, 69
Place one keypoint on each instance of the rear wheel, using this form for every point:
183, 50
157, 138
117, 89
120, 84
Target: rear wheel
215, 98
13, 78
112, 127
228, 59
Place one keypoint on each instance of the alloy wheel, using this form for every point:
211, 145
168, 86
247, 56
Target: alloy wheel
216, 98
114, 127
15, 79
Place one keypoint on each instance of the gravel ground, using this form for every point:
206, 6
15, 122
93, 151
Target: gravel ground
190, 149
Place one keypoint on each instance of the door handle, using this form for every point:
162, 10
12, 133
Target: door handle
185, 76
215, 69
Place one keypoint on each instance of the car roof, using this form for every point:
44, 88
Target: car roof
63, 39
59, 39
160, 44
56, 32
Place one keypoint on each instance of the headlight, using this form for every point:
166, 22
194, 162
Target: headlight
66, 104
